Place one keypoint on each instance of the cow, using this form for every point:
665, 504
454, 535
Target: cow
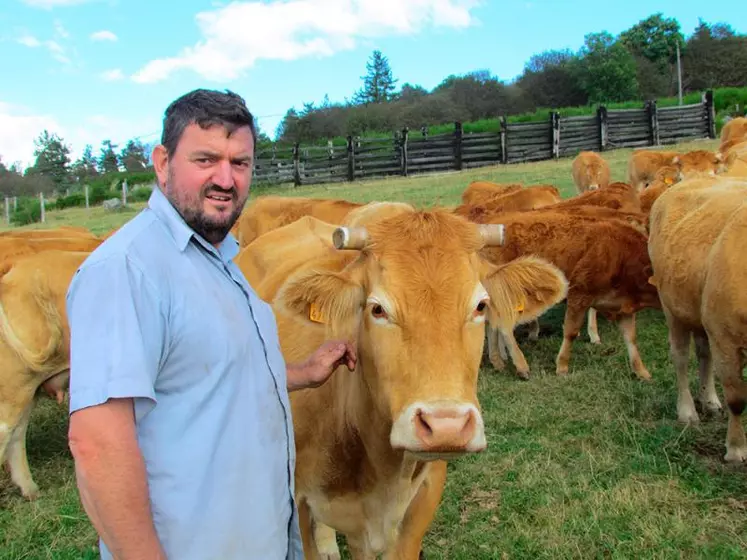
644, 164
527, 198
590, 171
54, 233
605, 261
478, 192
734, 132
700, 162
34, 347
617, 201
266, 213
14, 247
696, 247
411, 292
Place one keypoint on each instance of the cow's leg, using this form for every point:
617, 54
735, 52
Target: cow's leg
307, 533
591, 327
494, 352
326, 541
728, 363
707, 396
517, 356
574, 320
11, 422
420, 515
679, 348
534, 329
627, 326
20, 473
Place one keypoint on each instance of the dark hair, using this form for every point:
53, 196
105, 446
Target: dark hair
206, 108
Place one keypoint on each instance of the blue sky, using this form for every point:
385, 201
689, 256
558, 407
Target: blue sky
96, 69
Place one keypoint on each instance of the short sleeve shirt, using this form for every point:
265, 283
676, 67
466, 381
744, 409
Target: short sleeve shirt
159, 315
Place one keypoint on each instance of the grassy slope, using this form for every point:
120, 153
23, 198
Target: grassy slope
590, 466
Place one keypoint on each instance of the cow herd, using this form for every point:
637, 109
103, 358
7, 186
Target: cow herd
417, 290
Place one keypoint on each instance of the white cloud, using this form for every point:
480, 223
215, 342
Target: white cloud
112, 75
235, 36
60, 30
18, 129
49, 4
103, 35
29, 41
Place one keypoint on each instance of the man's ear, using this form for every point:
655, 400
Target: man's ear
524, 289
160, 158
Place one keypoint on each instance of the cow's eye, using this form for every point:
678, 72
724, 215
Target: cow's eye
481, 307
378, 311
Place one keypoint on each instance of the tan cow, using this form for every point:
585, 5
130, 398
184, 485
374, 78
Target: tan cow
412, 294
733, 133
644, 164
479, 192
34, 347
529, 198
12, 247
43, 233
270, 212
697, 251
590, 171
605, 261
699, 162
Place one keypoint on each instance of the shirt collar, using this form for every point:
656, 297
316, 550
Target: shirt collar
182, 233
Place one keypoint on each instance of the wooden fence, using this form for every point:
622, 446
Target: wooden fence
408, 153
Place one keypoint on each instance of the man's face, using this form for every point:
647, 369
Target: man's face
207, 179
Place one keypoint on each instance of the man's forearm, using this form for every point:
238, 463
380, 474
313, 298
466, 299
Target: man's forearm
295, 377
114, 493
112, 481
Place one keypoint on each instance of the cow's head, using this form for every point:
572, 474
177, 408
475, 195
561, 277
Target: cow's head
699, 162
415, 300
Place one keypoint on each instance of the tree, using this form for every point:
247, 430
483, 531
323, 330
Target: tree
714, 56
550, 79
84, 168
378, 83
108, 162
52, 159
607, 69
133, 156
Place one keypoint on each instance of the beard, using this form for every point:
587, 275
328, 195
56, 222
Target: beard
190, 207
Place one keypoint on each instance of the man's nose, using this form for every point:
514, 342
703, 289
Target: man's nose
223, 175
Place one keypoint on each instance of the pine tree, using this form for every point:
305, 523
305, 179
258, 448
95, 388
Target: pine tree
378, 83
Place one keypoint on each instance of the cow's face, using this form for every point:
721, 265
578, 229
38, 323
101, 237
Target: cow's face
700, 162
415, 301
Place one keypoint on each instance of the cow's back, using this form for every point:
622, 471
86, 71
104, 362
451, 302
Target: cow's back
684, 223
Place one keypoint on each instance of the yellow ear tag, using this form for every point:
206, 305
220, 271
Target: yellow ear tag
668, 181
520, 307
315, 313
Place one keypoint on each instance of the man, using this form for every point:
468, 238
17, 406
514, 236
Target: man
180, 422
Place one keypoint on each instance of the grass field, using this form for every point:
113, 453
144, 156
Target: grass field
593, 465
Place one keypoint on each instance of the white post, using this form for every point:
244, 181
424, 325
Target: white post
86, 188
15, 203
124, 192
7, 210
679, 74
41, 200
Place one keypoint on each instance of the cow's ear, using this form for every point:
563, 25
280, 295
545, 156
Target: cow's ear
330, 299
523, 289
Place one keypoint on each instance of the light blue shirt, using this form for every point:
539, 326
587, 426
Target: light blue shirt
158, 314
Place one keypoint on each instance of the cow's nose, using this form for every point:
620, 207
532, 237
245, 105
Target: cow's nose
444, 429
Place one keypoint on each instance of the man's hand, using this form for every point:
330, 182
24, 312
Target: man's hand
316, 370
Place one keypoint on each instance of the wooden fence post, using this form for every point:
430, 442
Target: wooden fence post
351, 159
555, 123
458, 133
653, 121
504, 140
710, 113
41, 201
602, 116
403, 149
296, 165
